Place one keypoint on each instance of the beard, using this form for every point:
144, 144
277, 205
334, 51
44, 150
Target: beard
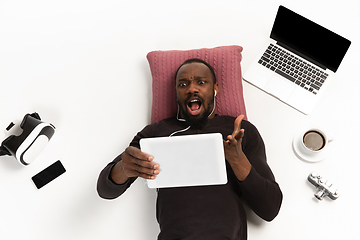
198, 121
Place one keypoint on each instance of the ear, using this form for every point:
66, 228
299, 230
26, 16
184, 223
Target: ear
216, 89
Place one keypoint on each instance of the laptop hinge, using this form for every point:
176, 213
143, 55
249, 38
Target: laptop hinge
301, 55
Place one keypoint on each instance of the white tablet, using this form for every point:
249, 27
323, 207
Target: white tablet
190, 160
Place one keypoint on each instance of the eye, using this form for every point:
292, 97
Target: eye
201, 82
182, 84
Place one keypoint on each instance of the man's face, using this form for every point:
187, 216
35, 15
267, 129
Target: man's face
195, 92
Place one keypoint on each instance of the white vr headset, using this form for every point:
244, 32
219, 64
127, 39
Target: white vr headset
29, 144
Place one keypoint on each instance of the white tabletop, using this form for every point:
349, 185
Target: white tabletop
82, 66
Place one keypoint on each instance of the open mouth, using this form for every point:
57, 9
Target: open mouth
194, 106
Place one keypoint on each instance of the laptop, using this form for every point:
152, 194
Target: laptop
298, 62
184, 161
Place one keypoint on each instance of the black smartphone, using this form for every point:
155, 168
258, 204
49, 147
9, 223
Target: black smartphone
48, 174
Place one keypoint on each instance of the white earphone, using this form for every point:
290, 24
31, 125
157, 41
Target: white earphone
215, 93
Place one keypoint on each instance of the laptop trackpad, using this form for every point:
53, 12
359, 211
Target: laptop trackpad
280, 87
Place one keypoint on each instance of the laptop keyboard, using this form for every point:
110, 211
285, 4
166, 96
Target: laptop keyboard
293, 68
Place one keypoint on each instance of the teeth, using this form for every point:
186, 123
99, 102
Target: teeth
194, 100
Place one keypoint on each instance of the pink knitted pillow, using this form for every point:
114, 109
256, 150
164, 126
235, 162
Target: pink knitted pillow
226, 63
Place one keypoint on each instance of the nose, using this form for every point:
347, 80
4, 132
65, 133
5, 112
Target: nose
192, 88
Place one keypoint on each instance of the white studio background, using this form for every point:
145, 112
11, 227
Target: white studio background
82, 66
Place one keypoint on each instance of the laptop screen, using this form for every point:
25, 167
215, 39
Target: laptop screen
308, 39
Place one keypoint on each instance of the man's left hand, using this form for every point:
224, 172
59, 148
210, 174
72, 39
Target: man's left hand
233, 151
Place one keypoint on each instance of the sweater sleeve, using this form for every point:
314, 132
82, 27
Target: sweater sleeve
106, 187
263, 196
259, 189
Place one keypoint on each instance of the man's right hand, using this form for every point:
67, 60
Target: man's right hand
134, 163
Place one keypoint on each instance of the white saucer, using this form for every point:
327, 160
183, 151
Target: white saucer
306, 156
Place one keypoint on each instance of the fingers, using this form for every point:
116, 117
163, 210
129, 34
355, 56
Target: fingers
134, 170
237, 127
136, 163
138, 154
237, 134
233, 144
240, 134
237, 122
234, 140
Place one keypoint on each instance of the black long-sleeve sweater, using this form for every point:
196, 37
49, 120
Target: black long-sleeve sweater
208, 212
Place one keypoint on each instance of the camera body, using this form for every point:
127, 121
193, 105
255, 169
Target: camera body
323, 186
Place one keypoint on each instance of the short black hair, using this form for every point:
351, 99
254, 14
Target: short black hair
197, 60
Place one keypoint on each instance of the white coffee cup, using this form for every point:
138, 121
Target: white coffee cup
313, 141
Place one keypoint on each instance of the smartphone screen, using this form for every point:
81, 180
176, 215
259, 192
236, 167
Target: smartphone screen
48, 174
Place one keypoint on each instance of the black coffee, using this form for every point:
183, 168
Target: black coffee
314, 140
